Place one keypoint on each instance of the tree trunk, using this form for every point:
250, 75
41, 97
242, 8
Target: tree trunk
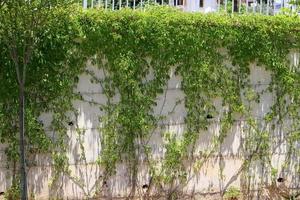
22, 140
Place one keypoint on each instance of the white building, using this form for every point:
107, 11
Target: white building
212, 5
196, 5
205, 6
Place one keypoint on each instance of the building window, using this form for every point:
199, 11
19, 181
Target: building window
178, 2
201, 3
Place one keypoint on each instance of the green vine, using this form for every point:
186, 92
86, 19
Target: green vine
198, 45
136, 51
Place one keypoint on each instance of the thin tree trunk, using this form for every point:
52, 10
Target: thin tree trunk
22, 142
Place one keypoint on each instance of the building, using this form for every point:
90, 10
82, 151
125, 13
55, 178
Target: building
196, 5
213, 5
205, 6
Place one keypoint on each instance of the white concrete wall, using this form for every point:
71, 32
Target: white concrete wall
229, 156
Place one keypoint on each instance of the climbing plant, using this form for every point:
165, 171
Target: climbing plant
137, 51
197, 46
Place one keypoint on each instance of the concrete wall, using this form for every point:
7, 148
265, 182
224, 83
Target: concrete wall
85, 175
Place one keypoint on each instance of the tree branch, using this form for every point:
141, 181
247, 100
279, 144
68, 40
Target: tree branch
14, 56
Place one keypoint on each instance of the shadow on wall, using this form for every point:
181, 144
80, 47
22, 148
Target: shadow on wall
224, 168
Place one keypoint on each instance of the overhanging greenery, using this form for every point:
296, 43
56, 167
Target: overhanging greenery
128, 45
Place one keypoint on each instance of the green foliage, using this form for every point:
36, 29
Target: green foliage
131, 46
13, 192
295, 2
232, 193
228, 8
133, 43
172, 166
38, 52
